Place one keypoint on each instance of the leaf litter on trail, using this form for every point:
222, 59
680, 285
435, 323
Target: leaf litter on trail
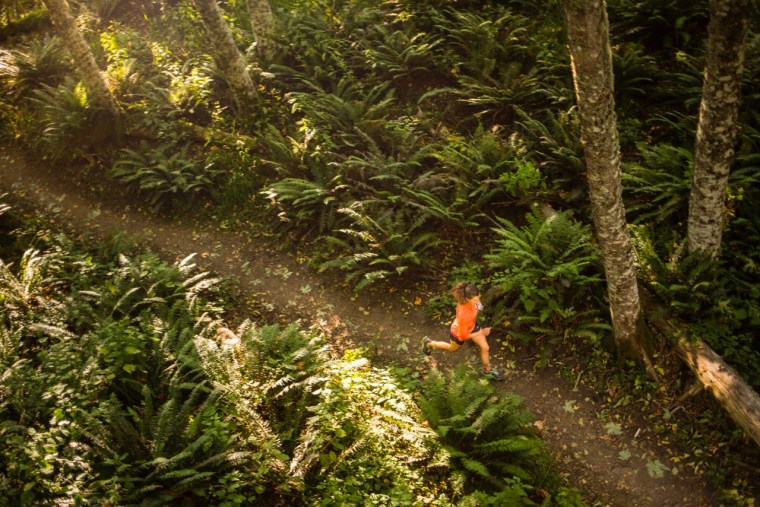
570, 407
613, 428
656, 469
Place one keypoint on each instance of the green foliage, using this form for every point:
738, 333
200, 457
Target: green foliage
61, 390
554, 139
127, 52
488, 436
401, 54
550, 268
485, 169
362, 424
634, 72
352, 433
316, 43
160, 453
20, 17
381, 242
190, 87
491, 61
720, 303
659, 25
305, 201
23, 71
660, 185
65, 118
347, 118
684, 280
165, 174
153, 401
684, 89
238, 181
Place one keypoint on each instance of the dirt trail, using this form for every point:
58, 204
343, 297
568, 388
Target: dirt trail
573, 425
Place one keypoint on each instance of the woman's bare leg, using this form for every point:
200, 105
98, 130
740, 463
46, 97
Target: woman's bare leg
480, 340
448, 346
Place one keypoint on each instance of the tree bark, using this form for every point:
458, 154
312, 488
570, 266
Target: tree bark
717, 130
591, 61
730, 390
262, 23
84, 60
231, 63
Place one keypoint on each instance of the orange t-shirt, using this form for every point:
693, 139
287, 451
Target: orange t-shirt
464, 323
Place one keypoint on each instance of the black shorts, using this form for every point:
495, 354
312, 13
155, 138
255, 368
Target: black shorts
457, 340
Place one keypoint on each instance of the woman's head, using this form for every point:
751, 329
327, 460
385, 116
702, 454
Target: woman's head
464, 291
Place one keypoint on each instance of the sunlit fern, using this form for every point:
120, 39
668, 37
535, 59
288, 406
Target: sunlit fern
346, 118
487, 171
67, 118
488, 435
380, 243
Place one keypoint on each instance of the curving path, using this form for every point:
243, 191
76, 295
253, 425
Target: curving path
571, 422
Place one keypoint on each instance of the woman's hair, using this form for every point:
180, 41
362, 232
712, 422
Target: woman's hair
464, 291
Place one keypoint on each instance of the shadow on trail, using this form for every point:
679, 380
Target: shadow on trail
389, 325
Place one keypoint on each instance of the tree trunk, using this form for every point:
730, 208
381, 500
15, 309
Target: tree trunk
591, 62
262, 24
84, 60
228, 58
717, 129
730, 390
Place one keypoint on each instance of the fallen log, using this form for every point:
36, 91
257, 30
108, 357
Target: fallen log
733, 393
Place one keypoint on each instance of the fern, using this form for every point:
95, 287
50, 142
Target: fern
161, 446
348, 118
305, 202
488, 172
380, 247
548, 266
555, 141
660, 185
362, 438
402, 55
634, 71
481, 43
163, 177
488, 435
32, 67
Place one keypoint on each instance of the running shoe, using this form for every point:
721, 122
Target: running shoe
492, 374
426, 348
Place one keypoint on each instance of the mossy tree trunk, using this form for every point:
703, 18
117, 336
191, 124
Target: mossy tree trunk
262, 26
83, 58
717, 129
591, 61
228, 58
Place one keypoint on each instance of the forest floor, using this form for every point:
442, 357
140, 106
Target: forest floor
630, 467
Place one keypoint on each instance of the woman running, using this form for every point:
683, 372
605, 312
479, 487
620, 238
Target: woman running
465, 328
